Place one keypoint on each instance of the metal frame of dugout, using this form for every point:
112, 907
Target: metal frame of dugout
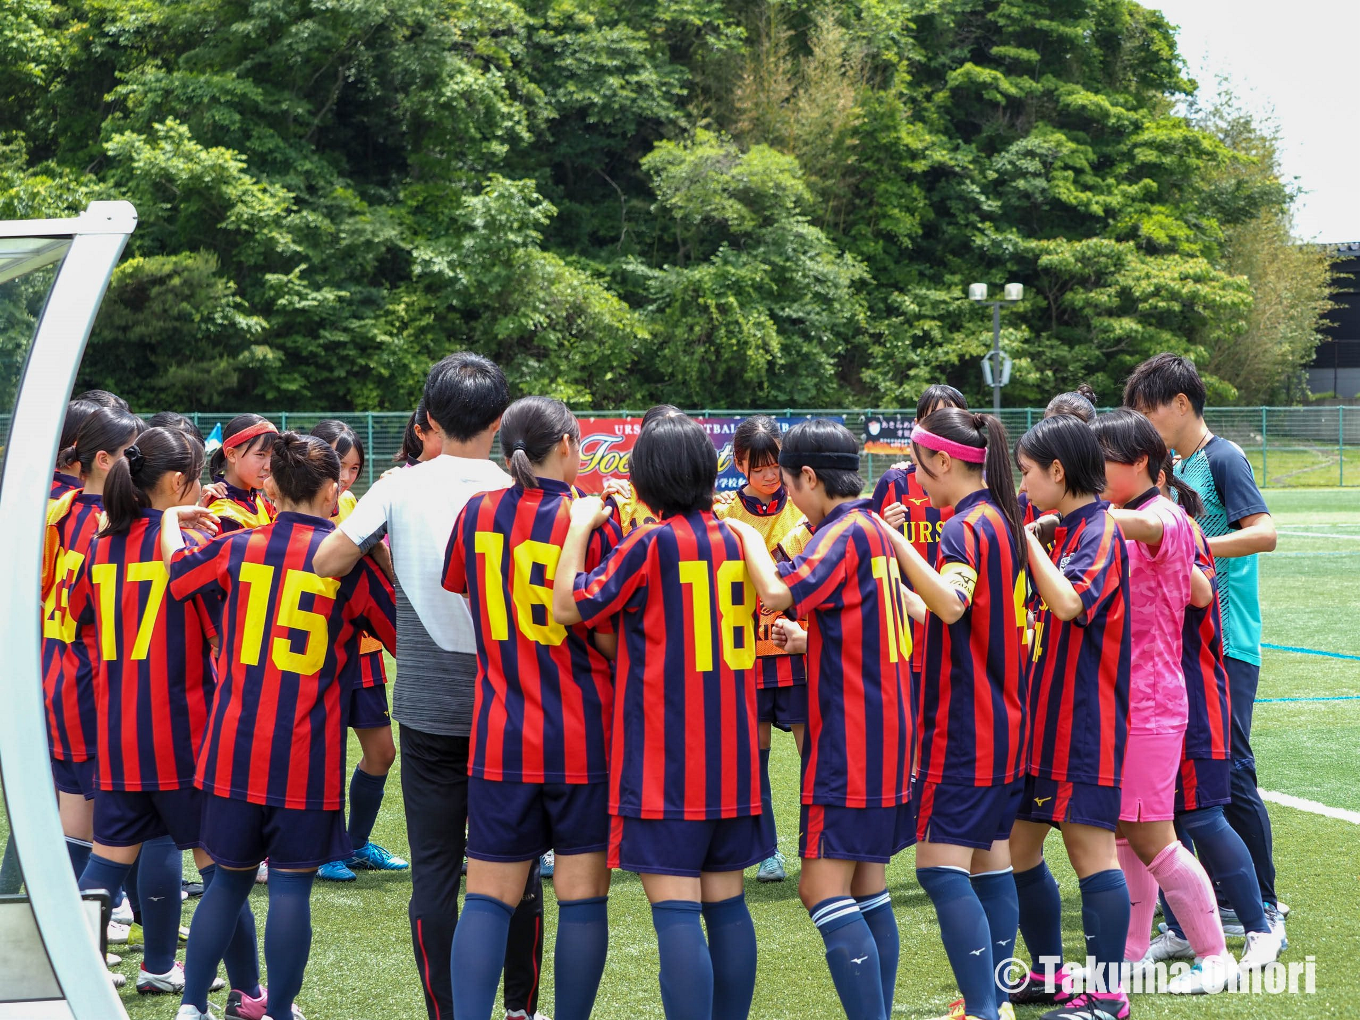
50, 966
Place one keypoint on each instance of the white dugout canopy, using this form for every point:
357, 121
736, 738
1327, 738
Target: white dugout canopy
53, 276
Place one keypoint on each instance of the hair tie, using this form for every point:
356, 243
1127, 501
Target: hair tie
960, 451
135, 459
518, 446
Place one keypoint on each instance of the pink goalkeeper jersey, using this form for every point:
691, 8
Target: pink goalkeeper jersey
1159, 592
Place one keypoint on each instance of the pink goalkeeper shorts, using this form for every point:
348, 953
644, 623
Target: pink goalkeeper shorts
1148, 789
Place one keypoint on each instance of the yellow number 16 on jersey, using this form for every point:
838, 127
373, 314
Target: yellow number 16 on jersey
524, 591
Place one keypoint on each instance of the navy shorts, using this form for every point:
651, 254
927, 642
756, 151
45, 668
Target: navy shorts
126, 817
368, 707
239, 834
669, 846
1055, 802
785, 707
513, 821
873, 834
75, 777
1203, 782
962, 815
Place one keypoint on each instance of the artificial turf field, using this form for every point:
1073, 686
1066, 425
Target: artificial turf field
362, 967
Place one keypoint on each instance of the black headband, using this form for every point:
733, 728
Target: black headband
794, 460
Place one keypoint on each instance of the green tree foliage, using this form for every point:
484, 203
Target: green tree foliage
710, 202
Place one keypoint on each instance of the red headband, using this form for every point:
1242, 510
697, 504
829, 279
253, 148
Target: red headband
971, 454
260, 428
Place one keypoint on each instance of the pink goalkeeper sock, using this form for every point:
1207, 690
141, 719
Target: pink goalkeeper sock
1191, 896
1142, 901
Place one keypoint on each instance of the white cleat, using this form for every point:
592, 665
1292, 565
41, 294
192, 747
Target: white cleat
123, 912
117, 933
172, 981
1263, 949
1209, 976
188, 1012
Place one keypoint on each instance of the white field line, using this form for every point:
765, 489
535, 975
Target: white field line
1311, 806
1317, 534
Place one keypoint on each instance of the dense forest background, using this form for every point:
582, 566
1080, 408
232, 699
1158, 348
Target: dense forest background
722, 203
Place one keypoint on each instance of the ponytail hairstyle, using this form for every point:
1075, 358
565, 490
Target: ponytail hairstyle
341, 438
1070, 441
411, 446
1080, 402
301, 465
983, 432
939, 394
757, 440
1186, 495
217, 464
530, 429
178, 422
134, 476
1125, 435
105, 430
830, 450
76, 413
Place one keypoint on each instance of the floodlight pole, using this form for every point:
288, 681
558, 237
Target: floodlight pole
1013, 293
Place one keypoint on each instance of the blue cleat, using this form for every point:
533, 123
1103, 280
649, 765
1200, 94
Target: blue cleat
547, 864
772, 869
372, 857
335, 871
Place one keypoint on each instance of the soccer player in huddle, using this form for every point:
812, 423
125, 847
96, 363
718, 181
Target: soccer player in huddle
1204, 783
241, 463
271, 767
627, 507
857, 750
68, 675
368, 713
1238, 526
684, 767
973, 697
539, 760
153, 685
1163, 582
781, 677
1078, 716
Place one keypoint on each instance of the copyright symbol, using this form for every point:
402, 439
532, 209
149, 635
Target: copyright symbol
1012, 974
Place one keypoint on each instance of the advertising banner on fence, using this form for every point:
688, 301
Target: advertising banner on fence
887, 435
606, 444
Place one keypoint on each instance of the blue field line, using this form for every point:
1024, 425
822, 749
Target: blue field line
1310, 651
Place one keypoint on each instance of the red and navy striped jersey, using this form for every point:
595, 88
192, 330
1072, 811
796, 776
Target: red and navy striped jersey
68, 679
153, 676
973, 696
785, 531
372, 666
1208, 733
857, 750
684, 733
289, 656
62, 483
545, 695
921, 528
241, 509
1079, 680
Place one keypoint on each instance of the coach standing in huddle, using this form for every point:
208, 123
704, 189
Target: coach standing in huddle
465, 395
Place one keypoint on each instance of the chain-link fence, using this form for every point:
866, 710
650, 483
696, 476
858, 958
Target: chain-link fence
1287, 446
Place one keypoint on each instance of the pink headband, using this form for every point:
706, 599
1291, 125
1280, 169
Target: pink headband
971, 454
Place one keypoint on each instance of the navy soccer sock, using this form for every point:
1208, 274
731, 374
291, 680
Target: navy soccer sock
478, 954
999, 897
578, 960
686, 968
79, 852
242, 956
215, 919
159, 872
878, 914
852, 956
966, 935
287, 938
102, 873
1105, 920
1040, 912
365, 798
732, 948
1226, 859
767, 826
